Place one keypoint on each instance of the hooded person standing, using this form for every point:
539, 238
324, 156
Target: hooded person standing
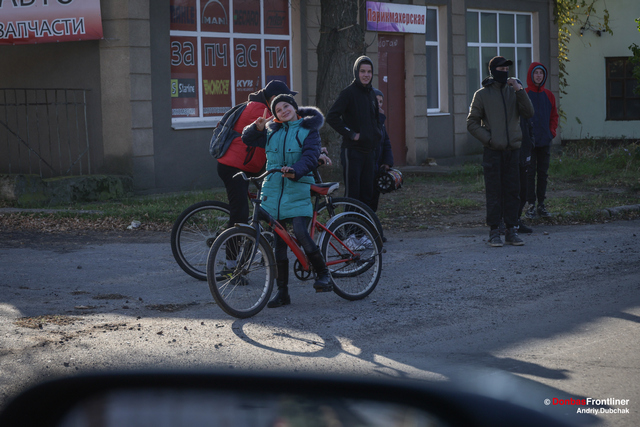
494, 119
545, 125
355, 116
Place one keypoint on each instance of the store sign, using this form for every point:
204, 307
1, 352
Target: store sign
48, 21
213, 69
396, 18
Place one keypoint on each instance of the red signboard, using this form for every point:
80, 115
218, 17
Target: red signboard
247, 61
216, 76
47, 21
184, 77
276, 60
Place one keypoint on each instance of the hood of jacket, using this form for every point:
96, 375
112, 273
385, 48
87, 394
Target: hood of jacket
356, 70
312, 119
530, 84
259, 96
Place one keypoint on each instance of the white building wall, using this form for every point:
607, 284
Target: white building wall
585, 101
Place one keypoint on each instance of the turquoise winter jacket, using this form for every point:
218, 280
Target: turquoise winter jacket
295, 144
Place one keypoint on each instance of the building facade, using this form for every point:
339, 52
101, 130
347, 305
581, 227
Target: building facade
166, 70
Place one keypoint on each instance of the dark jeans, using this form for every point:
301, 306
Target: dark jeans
237, 195
300, 224
524, 186
540, 159
502, 186
358, 171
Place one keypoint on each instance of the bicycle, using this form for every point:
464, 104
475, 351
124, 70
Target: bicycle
197, 227
350, 245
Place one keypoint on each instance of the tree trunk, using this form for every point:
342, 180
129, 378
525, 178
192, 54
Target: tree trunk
341, 43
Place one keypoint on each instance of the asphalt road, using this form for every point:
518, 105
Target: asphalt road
558, 318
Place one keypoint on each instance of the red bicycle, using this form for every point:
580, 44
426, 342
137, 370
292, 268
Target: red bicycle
241, 265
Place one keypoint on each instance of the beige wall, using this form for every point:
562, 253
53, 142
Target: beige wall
126, 89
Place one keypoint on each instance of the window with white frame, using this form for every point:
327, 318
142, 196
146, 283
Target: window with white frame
497, 33
223, 50
433, 61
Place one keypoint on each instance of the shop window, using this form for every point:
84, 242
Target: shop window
223, 50
622, 101
493, 33
433, 61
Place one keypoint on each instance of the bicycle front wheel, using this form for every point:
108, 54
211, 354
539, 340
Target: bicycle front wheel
354, 257
348, 204
193, 235
241, 286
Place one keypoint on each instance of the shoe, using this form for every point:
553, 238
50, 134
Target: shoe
531, 212
352, 242
502, 228
364, 243
229, 274
522, 228
494, 239
282, 296
542, 211
512, 238
324, 281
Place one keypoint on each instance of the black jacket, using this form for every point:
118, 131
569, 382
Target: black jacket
356, 111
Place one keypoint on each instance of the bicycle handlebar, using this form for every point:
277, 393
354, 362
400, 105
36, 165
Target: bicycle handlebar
256, 178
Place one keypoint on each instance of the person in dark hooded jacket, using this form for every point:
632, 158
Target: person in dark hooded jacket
292, 144
494, 119
354, 115
545, 124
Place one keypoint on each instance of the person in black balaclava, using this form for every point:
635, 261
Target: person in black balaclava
494, 119
354, 115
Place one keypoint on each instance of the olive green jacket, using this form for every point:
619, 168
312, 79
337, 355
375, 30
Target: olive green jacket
494, 115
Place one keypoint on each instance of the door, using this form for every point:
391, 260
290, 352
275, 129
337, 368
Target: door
391, 82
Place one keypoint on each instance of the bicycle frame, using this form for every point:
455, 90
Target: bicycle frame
292, 243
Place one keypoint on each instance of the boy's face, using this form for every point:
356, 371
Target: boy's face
365, 74
380, 101
538, 76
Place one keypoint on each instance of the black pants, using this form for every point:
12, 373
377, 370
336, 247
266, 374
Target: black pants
358, 171
300, 225
540, 159
502, 186
237, 193
524, 186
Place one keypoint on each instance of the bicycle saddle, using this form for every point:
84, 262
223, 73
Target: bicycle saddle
324, 188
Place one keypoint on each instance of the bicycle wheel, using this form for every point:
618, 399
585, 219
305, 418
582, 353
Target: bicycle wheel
193, 234
240, 287
347, 204
354, 275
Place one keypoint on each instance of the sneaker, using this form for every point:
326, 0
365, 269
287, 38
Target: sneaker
228, 274
352, 242
494, 239
512, 238
522, 228
531, 212
542, 211
365, 243
502, 227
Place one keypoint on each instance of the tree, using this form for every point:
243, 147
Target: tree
341, 43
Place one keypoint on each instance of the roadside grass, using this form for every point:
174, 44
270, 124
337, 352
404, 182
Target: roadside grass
584, 178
